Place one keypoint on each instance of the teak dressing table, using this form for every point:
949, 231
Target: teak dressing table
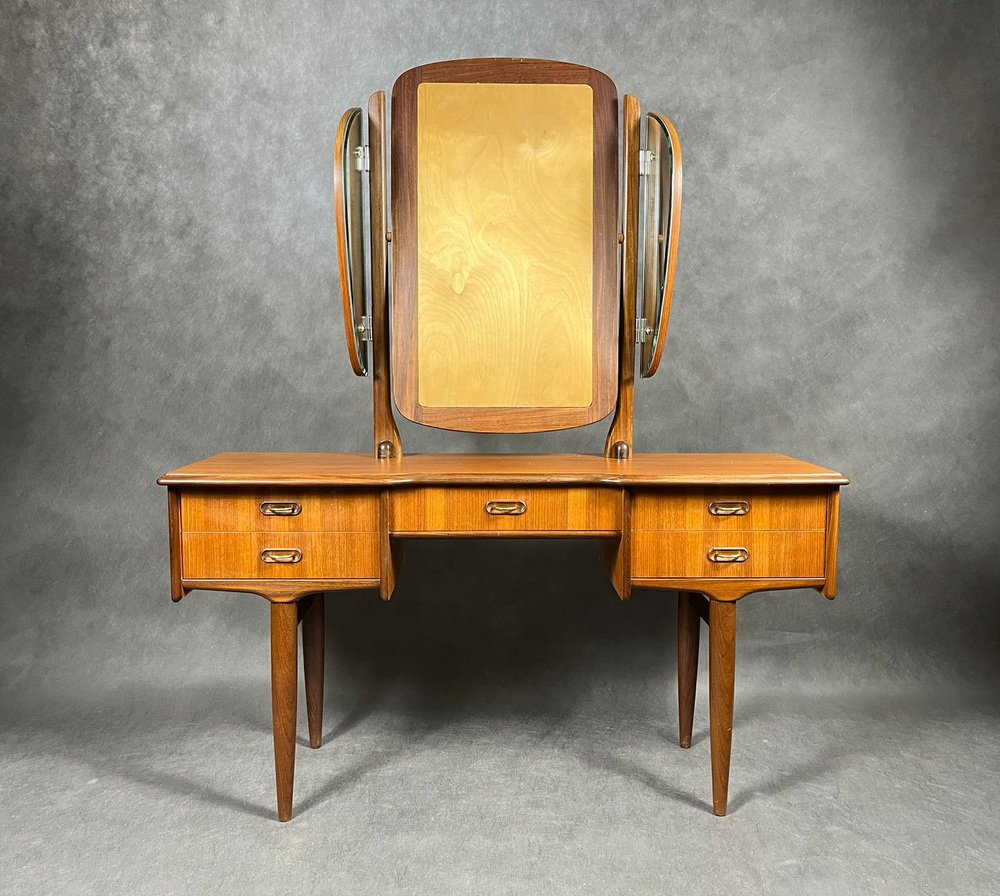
520, 300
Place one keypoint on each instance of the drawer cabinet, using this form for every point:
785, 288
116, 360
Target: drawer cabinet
455, 510
276, 534
730, 533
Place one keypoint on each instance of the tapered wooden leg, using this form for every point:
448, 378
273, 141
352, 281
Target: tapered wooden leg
721, 685
284, 697
688, 638
313, 649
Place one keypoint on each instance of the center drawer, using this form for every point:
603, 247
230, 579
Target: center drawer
513, 510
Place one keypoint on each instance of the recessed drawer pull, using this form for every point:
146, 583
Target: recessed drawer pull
281, 508
728, 555
506, 508
270, 555
729, 508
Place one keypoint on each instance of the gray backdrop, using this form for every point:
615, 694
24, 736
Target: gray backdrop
169, 289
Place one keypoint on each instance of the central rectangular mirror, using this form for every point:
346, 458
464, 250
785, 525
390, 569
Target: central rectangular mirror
505, 200
504, 245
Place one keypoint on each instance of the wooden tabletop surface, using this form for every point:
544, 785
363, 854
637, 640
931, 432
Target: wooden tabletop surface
313, 469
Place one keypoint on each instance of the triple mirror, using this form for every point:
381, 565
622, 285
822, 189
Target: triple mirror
507, 244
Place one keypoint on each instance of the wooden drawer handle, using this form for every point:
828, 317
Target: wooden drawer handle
270, 555
506, 508
281, 508
728, 555
729, 508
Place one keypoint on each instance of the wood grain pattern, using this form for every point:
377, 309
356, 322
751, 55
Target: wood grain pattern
685, 554
313, 613
458, 510
622, 425
385, 423
280, 591
617, 552
721, 689
282, 469
238, 510
236, 555
284, 700
505, 208
499, 251
829, 589
688, 642
689, 509
177, 589
390, 552
723, 589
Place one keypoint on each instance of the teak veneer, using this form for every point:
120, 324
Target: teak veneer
339, 521
519, 301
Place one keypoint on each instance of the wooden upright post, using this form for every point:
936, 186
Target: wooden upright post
387, 441
619, 441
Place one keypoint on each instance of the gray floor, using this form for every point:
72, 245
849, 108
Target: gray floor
168, 789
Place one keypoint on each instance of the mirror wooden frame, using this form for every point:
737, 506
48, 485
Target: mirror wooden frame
405, 337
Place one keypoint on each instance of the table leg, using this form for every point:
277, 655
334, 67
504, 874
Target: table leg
688, 638
721, 686
313, 660
284, 697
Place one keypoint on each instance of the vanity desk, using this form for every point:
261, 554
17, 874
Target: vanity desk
290, 527
520, 301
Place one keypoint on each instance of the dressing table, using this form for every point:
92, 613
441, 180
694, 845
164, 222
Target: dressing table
519, 300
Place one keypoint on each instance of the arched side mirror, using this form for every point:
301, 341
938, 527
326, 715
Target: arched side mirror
350, 162
660, 164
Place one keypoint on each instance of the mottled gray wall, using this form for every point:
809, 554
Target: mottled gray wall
169, 290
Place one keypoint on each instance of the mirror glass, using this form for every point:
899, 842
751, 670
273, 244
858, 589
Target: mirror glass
505, 237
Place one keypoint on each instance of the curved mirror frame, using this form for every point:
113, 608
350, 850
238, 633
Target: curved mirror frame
661, 217
348, 192
505, 300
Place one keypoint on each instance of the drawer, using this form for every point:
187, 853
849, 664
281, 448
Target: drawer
285, 510
730, 509
768, 555
509, 510
320, 555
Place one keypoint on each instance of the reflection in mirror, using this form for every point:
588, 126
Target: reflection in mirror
348, 184
661, 225
505, 235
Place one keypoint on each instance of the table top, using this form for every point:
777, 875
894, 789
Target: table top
314, 469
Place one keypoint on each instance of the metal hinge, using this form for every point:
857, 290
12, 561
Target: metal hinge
361, 161
365, 333
642, 330
646, 159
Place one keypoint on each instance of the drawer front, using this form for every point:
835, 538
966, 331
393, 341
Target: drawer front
742, 555
285, 510
730, 509
307, 555
509, 510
